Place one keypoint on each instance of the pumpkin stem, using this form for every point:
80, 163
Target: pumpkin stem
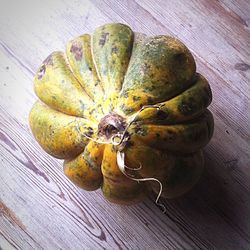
113, 128
111, 125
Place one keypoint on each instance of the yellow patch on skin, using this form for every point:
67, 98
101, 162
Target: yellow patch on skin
56, 86
182, 138
116, 186
59, 134
85, 169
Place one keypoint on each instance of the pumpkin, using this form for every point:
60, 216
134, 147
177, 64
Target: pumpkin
127, 113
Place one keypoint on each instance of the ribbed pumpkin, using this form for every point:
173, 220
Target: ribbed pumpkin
120, 106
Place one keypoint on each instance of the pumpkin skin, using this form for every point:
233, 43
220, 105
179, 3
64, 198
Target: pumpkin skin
112, 78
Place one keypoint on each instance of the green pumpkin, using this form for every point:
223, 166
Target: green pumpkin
117, 100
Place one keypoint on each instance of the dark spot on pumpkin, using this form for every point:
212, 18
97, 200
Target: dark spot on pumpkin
157, 135
41, 72
76, 49
180, 58
125, 94
145, 68
150, 100
136, 98
171, 135
79, 175
161, 115
114, 50
90, 131
149, 88
127, 110
242, 66
103, 39
82, 104
141, 131
48, 60
129, 143
99, 106
188, 106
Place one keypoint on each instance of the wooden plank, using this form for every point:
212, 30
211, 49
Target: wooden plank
240, 9
45, 210
41, 209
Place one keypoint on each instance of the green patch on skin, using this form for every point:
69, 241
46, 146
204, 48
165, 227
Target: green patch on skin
163, 67
126, 110
83, 107
171, 135
136, 98
112, 46
161, 115
91, 162
188, 106
114, 49
158, 135
104, 38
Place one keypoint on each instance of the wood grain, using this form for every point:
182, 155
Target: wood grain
41, 209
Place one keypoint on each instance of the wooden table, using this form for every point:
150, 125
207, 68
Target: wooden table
41, 209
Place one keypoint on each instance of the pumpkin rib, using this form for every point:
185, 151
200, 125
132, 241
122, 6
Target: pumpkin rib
184, 107
181, 176
59, 134
111, 50
143, 99
72, 72
184, 138
94, 63
149, 74
56, 86
116, 187
154, 69
85, 169
79, 57
137, 39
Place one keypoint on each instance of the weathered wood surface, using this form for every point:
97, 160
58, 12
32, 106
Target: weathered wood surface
41, 209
